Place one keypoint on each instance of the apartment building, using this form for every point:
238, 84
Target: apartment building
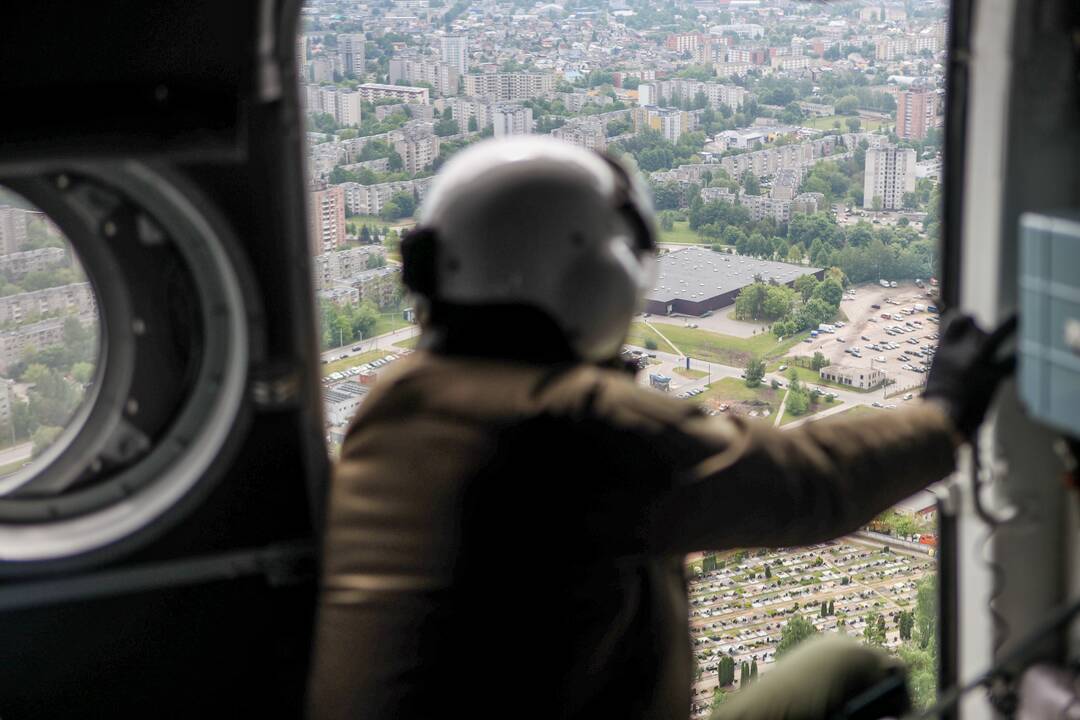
889, 174
443, 77
454, 51
13, 228
14, 344
341, 104
20, 263
684, 42
586, 132
326, 219
916, 113
350, 53
512, 120
372, 92
77, 298
417, 150
509, 86
342, 266
370, 199
890, 48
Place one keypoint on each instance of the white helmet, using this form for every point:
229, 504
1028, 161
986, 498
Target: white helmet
535, 221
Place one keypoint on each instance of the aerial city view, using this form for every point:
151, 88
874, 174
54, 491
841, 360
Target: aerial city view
793, 150
48, 335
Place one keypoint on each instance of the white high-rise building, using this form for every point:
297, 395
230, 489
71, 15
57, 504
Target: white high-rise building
512, 120
648, 94
342, 105
454, 51
889, 173
350, 49
13, 229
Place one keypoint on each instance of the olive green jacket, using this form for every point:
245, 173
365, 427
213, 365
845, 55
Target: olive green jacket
507, 540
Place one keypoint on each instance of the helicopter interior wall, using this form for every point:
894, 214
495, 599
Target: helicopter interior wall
182, 85
1042, 174
1023, 144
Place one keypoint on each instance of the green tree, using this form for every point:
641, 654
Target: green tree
726, 671
805, 285
750, 183
473, 125
43, 437
447, 126
798, 402
926, 612
830, 291
853, 124
650, 344
82, 372
755, 371
797, 629
768, 572
847, 105
779, 299
818, 361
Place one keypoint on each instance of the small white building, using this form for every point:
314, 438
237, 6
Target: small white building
856, 377
341, 401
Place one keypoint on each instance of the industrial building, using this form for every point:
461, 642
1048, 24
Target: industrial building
693, 281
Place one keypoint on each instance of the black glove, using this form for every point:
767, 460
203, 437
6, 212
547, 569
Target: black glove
966, 371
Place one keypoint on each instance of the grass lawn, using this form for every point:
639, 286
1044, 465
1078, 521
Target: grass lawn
376, 221
860, 411
734, 390
640, 332
339, 365
692, 374
388, 322
723, 349
815, 407
409, 343
12, 467
681, 233
826, 123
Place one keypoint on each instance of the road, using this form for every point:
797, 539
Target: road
386, 340
16, 453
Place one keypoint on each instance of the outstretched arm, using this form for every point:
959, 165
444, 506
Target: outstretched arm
762, 487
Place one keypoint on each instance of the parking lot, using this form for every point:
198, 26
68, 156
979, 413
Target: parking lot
886, 330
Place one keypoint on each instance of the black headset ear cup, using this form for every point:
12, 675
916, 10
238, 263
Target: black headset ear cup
418, 248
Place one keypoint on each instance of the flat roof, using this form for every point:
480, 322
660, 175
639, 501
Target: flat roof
697, 274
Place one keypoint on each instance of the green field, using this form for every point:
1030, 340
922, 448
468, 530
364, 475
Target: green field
339, 365
692, 374
639, 333
723, 349
734, 390
409, 343
388, 322
815, 408
376, 221
826, 123
682, 233
859, 411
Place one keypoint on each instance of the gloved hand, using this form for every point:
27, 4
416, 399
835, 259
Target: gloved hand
966, 371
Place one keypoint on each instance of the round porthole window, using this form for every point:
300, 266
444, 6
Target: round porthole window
124, 355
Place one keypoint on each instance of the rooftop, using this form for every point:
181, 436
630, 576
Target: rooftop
699, 273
